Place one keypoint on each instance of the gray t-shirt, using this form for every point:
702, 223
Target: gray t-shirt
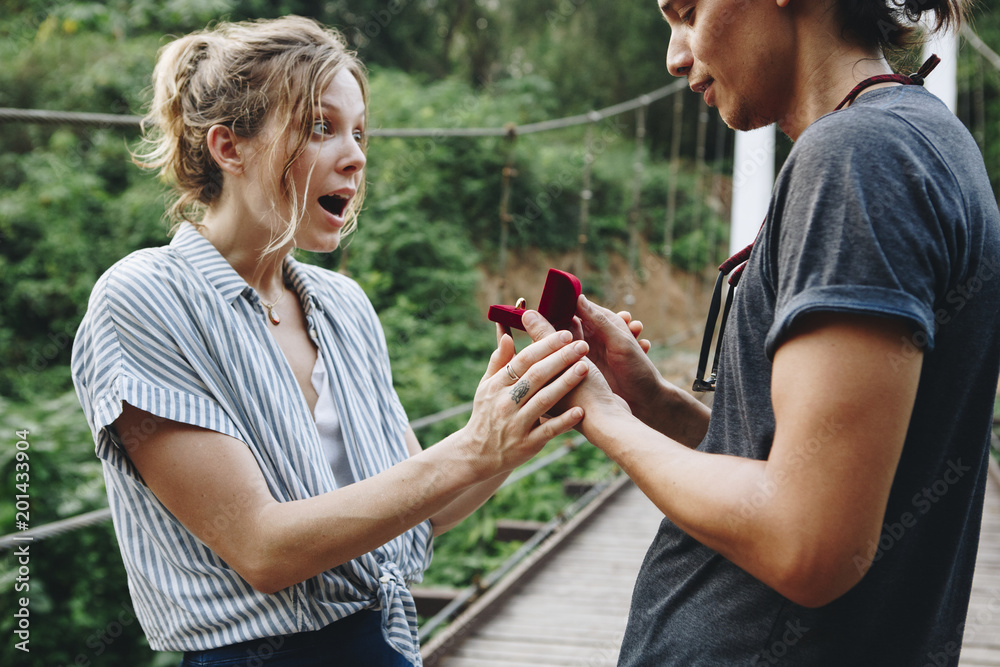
883, 208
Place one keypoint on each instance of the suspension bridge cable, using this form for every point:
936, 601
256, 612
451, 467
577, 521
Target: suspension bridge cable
55, 528
980, 46
45, 117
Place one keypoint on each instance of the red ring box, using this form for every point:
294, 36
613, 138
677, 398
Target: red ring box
557, 305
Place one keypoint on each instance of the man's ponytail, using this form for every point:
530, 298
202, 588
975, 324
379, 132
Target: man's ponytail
891, 25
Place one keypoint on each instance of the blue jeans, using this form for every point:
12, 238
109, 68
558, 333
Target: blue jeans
355, 640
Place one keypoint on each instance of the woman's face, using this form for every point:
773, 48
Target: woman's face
336, 159
326, 176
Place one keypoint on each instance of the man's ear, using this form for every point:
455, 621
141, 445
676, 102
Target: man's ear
226, 149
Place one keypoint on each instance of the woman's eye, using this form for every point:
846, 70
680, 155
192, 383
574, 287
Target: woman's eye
359, 136
321, 127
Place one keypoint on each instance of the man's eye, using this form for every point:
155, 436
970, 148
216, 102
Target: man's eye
687, 16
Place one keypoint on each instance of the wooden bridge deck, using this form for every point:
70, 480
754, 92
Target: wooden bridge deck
572, 609
981, 644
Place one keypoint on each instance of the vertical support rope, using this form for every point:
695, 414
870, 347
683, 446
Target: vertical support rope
699, 187
990, 56
634, 211
979, 104
505, 218
675, 152
964, 95
721, 135
585, 196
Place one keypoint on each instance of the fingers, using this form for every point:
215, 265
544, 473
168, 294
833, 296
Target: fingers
602, 325
558, 425
635, 327
534, 390
546, 397
537, 326
542, 361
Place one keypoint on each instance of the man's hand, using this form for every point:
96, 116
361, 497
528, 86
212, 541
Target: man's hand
618, 355
593, 393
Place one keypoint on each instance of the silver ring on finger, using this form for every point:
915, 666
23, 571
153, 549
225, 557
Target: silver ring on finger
513, 376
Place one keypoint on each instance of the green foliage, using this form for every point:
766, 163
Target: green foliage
71, 205
69, 210
979, 89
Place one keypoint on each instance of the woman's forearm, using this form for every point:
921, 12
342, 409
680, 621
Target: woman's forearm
336, 527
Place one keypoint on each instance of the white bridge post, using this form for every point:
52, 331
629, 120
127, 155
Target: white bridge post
943, 81
753, 178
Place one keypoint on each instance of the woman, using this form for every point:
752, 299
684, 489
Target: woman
271, 502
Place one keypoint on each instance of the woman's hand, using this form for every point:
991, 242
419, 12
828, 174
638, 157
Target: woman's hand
516, 391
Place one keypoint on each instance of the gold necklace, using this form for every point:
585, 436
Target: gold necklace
271, 315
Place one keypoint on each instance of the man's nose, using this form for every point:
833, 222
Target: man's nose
679, 58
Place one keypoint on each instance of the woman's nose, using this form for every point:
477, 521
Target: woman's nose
355, 160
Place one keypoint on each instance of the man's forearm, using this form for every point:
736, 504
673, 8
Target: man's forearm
674, 413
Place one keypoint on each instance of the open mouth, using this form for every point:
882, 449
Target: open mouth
335, 204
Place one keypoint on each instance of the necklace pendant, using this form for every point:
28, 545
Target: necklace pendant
273, 316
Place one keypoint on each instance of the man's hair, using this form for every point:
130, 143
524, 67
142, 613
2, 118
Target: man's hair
890, 25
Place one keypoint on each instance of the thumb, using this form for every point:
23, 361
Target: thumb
537, 326
598, 322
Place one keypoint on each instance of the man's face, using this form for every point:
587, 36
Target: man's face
738, 53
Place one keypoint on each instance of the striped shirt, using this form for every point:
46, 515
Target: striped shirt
175, 331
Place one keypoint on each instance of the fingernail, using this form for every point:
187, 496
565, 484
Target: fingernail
565, 336
577, 413
580, 347
529, 317
581, 368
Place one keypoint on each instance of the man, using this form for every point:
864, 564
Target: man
827, 511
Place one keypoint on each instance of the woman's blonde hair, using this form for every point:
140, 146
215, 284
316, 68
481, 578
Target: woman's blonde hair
242, 76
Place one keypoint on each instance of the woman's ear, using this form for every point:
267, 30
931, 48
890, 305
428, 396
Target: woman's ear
225, 148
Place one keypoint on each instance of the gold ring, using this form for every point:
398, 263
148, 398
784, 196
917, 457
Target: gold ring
521, 303
512, 374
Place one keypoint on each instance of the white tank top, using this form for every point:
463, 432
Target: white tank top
328, 424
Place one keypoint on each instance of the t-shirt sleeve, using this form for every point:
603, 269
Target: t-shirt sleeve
132, 347
861, 222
